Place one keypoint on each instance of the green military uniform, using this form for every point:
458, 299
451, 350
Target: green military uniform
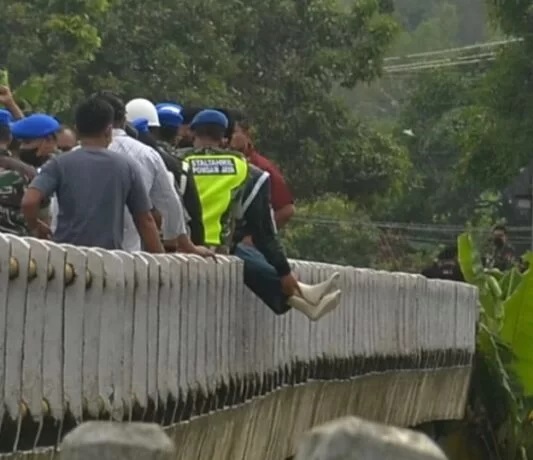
15, 176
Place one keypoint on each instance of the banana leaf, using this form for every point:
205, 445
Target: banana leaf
510, 282
490, 295
517, 331
469, 259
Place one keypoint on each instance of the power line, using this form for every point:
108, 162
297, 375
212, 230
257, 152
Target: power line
431, 228
446, 58
480, 46
461, 60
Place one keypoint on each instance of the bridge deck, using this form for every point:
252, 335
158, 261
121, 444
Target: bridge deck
92, 334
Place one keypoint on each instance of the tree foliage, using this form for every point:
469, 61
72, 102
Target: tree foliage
279, 59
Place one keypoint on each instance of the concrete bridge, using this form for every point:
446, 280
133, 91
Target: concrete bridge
90, 334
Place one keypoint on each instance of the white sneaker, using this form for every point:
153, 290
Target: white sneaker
315, 292
314, 312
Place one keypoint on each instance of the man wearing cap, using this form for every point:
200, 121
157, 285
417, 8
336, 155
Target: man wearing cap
157, 181
166, 136
235, 200
37, 136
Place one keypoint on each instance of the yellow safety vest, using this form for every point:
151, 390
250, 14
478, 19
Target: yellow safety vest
219, 178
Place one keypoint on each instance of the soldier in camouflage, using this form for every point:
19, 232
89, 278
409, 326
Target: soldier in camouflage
15, 176
37, 136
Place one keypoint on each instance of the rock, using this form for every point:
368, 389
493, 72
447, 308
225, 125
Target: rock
352, 438
117, 441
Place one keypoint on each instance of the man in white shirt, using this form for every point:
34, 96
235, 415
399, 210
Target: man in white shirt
164, 197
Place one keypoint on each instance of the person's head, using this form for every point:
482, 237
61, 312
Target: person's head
239, 132
37, 136
66, 139
209, 128
449, 253
186, 137
119, 109
94, 122
142, 108
170, 119
499, 235
5, 130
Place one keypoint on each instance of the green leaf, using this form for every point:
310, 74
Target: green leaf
517, 330
469, 259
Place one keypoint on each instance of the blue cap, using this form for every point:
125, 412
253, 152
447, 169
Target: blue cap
170, 115
141, 125
35, 126
168, 104
5, 117
210, 117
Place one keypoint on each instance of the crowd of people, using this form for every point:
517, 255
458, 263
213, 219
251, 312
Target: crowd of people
157, 178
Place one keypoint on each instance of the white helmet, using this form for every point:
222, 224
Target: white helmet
142, 108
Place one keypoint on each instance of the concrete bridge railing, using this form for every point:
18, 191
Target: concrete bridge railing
90, 334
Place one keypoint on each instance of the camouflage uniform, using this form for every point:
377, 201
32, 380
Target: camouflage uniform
15, 176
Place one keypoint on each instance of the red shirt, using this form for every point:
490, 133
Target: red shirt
281, 196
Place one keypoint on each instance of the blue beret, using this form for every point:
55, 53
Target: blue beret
170, 115
35, 126
210, 117
141, 125
5, 117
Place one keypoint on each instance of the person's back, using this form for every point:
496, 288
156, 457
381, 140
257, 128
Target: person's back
220, 176
92, 185
93, 190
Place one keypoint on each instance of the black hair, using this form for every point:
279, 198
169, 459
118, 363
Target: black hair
168, 133
229, 114
93, 117
115, 102
210, 131
188, 113
500, 228
5, 134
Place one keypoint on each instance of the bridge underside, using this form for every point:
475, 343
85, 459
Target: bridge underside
90, 334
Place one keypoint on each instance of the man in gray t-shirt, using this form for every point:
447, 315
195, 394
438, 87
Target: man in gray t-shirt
92, 185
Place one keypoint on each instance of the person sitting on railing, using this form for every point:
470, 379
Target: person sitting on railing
236, 196
92, 185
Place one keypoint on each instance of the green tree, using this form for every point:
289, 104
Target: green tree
277, 59
333, 230
46, 44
